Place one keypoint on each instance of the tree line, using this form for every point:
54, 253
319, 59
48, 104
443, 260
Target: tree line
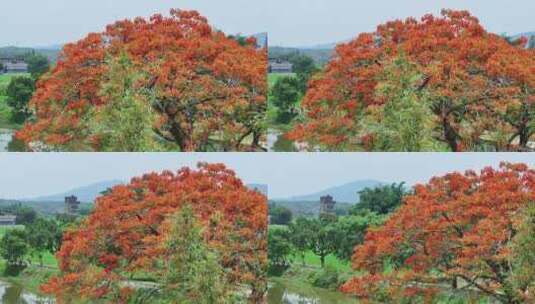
329, 234
288, 90
20, 89
459, 232
33, 236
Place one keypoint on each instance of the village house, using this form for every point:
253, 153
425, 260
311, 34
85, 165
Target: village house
8, 220
280, 66
10, 65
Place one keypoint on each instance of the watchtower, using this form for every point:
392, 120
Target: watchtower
72, 205
327, 204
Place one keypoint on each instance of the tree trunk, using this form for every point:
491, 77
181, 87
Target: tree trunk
524, 137
322, 259
450, 135
178, 135
257, 296
256, 139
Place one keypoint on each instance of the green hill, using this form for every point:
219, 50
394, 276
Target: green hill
21, 52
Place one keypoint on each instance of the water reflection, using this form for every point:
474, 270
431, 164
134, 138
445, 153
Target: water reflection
277, 142
281, 293
14, 294
5, 138
8, 142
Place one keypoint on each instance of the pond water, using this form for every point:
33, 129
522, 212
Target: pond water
277, 142
284, 292
5, 138
15, 294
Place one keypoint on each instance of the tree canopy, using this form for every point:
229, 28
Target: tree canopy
478, 88
13, 246
285, 96
37, 65
19, 92
457, 231
380, 199
205, 90
130, 225
280, 215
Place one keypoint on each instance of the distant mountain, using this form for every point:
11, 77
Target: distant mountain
322, 53
325, 46
14, 52
56, 47
85, 194
320, 56
347, 193
262, 188
43, 207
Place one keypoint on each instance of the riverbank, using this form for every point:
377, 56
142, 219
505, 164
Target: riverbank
311, 284
31, 278
283, 290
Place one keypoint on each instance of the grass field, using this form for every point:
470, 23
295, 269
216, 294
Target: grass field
313, 260
4, 229
49, 259
272, 77
330, 261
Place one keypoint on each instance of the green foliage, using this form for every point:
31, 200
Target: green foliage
405, 122
280, 215
320, 56
192, 273
328, 278
25, 215
305, 68
523, 254
19, 92
285, 95
299, 236
279, 250
13, 246
242, 40
37, 65
16, 145
125, 122
351, 231
381, 199
322, 238
86, 210
44, 235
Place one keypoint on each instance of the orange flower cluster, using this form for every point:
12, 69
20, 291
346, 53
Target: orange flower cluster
124, 234
455, 230
478, 81
201, 83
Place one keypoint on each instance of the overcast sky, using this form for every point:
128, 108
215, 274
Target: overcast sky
289, 22
35, 174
